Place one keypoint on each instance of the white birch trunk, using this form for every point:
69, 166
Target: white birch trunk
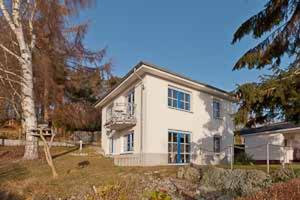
29, 120
28, 105
28, 108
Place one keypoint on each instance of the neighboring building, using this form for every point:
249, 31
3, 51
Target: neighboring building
156, 117
283, 139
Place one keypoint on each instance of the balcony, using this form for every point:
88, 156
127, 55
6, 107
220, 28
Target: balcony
120, 116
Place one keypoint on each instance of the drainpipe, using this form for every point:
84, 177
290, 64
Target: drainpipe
141, 114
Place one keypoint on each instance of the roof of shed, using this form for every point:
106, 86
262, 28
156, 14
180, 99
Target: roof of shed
269, 128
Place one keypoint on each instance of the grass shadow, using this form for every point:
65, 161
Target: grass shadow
9, 196
65, 152
13, 172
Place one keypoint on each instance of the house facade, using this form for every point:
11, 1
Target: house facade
156, 117
278, 142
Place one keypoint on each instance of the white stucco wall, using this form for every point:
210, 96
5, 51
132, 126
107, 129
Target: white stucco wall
199, 122
118, 136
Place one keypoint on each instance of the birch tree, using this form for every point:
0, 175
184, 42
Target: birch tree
38, 43
12, 14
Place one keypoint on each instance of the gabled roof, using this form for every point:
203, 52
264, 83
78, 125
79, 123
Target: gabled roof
271, 128
161, 69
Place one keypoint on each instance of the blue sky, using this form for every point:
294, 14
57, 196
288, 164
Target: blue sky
191, 37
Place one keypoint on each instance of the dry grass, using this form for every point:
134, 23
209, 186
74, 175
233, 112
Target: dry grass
33, 178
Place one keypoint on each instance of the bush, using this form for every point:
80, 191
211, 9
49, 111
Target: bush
243, 158
159, 195
288, 190
283, 174
237, 182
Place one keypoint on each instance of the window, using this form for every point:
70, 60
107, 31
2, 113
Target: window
128, 142
179, 100
179, 147
285, 142
217, 144
130, 101
111, 145
216, 109
109, 112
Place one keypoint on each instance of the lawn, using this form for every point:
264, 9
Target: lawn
33, 178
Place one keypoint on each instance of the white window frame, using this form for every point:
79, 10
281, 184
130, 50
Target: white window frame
217, 149
219, 116
125, 143
111, 145
184, 101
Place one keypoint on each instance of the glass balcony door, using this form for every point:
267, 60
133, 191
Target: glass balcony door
130, 102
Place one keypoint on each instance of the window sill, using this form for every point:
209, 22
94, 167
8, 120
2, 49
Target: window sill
179, 164
218, 118
127, 152
180, 109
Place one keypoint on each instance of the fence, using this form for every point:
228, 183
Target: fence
8, 142
259, 155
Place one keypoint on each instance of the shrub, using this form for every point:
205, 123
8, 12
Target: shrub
158, 195
283, 174
288, 190
243, 158
237, 182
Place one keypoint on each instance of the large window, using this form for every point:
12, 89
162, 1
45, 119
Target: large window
128, 142
179, 100
216, 109
179, 147
217, 144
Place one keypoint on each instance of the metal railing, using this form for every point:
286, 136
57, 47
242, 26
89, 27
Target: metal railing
120, 113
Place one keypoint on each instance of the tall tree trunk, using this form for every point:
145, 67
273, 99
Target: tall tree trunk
28, 107
28, 104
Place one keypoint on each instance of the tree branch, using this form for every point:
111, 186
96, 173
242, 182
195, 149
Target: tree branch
7, 16
11, 53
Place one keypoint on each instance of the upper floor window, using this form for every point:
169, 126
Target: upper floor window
179, 100
217, 144
109, 112
130, 101
216, 109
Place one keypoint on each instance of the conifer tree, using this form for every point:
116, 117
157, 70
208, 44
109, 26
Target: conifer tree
275, 96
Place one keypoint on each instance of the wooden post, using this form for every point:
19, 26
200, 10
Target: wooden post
268, 158
80, 146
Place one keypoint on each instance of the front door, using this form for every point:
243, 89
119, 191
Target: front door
178, 147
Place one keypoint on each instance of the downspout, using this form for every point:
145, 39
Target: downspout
141, 115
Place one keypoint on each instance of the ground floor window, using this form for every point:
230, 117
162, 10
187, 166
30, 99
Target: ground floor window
111, 146
217, 144
129, 142
179, 147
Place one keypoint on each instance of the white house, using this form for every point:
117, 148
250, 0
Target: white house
157, 117
281, 141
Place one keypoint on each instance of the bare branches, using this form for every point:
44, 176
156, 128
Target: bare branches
11, 53
7, 15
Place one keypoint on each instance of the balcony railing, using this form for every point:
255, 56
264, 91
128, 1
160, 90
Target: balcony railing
120, 116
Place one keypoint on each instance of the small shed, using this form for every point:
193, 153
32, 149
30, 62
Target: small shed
282, 139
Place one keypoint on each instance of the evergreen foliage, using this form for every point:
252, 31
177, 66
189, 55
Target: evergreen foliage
275, 96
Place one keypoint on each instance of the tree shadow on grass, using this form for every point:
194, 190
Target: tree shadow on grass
9, 196
65, 152
12, 172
